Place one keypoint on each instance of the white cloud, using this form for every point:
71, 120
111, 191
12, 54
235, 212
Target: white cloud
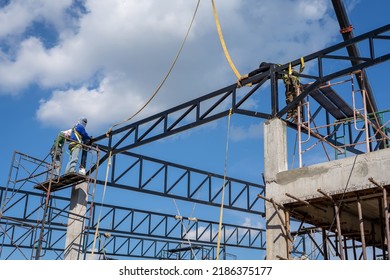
114, 60
351, 4
253, 131
249, 223
18, 15
66, 107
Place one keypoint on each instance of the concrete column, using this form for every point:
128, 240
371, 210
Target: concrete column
275, 160
76, 218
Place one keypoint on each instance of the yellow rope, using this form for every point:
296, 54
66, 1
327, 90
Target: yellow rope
101, 206
164, 79
223, 187
223, 44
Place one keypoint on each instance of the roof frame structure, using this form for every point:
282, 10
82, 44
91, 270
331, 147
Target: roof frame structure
194, 113
169, 122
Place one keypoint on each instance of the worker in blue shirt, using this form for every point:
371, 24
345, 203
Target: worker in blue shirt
79, 136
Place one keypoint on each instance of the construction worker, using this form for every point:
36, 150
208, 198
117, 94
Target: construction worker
57, 150
78, 137
293, 88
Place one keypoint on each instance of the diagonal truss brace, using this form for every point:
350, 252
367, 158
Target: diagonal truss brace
216, 105
125, 221
185, 183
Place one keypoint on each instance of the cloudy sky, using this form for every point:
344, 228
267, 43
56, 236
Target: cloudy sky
63, 59
103, 59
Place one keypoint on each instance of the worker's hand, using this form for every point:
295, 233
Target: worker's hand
88, 141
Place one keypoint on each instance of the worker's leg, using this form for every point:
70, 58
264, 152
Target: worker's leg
295, 109
289, 99
56, 163
74, 158
57, 166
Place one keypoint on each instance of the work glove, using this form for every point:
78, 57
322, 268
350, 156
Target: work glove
88, 141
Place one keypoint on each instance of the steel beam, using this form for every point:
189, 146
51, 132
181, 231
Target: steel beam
208, 107
168, 179
20, 227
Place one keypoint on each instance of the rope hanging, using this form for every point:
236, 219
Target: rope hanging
223, 44
101, 207
164, 79
223, 186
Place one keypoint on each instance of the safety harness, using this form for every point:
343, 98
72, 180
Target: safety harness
73, 145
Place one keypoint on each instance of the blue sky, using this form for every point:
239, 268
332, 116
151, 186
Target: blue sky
60, 60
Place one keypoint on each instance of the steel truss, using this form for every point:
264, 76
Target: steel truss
171, 179
18, 214
217, 104
116, 246
108, 246
325, 104
123, 225
23, 213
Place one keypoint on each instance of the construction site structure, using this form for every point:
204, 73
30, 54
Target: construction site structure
33, 183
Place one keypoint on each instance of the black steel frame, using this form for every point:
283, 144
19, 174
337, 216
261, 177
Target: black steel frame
123, 224
202, 111
199, 111
240, 195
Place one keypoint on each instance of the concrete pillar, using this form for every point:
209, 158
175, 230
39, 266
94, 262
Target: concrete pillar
275, 160
76, 218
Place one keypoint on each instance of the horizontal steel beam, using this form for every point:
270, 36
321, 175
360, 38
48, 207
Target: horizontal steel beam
19, 225
170, 179
216, 105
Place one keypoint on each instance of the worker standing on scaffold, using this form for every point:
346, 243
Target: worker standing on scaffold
293, 89
292, 85
78, 137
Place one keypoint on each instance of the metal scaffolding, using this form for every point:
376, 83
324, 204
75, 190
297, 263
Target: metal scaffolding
352, 128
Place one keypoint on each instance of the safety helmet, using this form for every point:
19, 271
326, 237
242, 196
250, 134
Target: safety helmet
83, 121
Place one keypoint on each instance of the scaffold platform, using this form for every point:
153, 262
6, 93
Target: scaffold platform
62, 182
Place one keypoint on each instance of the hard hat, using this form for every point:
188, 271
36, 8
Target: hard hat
83, 121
